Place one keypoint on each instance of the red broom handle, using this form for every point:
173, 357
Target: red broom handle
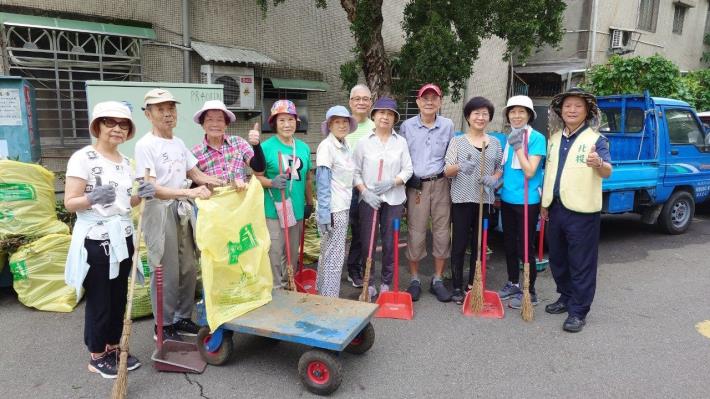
484, 249
283, 216
525, 199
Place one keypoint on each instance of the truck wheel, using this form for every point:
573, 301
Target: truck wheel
677, 213
320, 372
219, 356
363, 341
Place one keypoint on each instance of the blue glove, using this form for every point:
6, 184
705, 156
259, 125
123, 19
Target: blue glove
371, 199
146, 190
467, 167
324, 229
102, 195
383, 186
515, 138
489, 181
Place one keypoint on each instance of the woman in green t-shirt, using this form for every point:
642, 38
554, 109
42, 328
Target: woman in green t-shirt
294, 179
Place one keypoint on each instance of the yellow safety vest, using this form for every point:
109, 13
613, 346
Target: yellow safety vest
580, 185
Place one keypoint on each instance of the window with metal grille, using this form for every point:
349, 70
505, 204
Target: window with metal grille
648, 15
58, 63
272, 94
678, 18
407, 108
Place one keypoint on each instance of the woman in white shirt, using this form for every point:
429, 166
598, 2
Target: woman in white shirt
334, 188
99, 184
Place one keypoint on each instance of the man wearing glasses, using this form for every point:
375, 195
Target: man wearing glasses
428, 136
360, 104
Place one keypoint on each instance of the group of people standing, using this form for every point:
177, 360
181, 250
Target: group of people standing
366, 175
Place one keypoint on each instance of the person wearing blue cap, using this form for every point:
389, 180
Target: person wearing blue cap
334, 185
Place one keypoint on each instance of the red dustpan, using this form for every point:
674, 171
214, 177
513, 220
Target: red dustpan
305, 278
492, 305
395, 304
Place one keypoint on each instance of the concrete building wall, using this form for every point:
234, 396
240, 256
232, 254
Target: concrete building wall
306, 42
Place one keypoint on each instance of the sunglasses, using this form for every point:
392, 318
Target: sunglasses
110, 123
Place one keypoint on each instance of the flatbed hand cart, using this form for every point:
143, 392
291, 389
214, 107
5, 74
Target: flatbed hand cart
328, 325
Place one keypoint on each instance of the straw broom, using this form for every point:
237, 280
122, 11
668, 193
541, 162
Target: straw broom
526, 310
477, 290
287, 243
365, 295
120, 387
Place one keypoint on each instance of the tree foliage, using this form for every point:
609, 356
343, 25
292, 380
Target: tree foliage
659, 75
442, 39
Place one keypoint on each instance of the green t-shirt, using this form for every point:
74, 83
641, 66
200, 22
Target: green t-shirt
296, 185
363, 129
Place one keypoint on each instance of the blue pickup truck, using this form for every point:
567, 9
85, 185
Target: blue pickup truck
661, 155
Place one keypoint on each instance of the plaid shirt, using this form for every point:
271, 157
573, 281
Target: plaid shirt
227, 162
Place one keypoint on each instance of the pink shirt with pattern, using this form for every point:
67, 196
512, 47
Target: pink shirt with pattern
227, 162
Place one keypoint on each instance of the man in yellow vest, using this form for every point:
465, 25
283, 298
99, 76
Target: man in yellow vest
577, 161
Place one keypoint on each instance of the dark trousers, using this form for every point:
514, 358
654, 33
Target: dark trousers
514, 240
355, 262
574, 244
105, 299
386, 214
464, 231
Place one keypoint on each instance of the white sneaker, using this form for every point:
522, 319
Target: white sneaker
373, 292
384, 288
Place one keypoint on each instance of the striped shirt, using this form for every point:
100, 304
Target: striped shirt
465, 188
228, 162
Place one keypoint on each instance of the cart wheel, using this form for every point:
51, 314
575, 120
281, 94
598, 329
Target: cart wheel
320, 372
363, 341
222, 354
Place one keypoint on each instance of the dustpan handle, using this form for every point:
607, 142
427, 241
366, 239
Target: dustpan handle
158, 276
395, 225
484, 252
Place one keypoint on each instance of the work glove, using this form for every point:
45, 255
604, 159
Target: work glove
146, 190
489, 181
371, 199
103, 195
414, 182
382, 186
324, 229
467, 167
307, 211
279, 182
515, 138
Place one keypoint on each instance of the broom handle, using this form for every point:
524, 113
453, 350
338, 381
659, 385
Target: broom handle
525, 199
395, 223
301, 247
289, 266
482, 165
485, 245
542, 239
368, 262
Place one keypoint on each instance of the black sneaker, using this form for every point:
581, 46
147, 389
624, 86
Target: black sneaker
355, 279
133, 362
415, 290
457, 296
104, 365
169, 333
437, 288
187, 327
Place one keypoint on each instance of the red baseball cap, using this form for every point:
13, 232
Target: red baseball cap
429, 86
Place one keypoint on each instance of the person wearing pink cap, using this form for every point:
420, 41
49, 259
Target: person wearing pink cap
428, 136
222, 155
294, 179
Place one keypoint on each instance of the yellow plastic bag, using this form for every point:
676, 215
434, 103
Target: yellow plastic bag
38, 274
27, 201
141, 293
232, 235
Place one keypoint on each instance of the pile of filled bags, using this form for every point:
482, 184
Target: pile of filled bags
27, 215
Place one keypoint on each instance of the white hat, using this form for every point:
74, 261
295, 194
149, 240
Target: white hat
110, 109
216, 105
520, 101
337, 110
157, 96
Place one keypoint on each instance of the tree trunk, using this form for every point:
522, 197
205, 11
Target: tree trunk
375, 65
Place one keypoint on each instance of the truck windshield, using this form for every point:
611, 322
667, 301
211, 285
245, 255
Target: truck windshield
611, 120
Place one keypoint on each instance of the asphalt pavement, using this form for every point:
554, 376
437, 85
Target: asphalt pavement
640, 340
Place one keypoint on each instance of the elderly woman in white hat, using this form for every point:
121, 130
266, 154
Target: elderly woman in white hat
335, 170
522, 159
222, 155
99, 187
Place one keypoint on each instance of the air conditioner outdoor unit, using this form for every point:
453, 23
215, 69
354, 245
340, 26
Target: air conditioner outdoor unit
617, 39
239, 92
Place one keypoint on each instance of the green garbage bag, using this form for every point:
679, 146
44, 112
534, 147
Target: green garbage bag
38, 274
27, 201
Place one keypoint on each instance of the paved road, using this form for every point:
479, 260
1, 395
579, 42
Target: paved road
640, 341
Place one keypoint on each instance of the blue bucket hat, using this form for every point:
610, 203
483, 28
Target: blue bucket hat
337, 110
386, 103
